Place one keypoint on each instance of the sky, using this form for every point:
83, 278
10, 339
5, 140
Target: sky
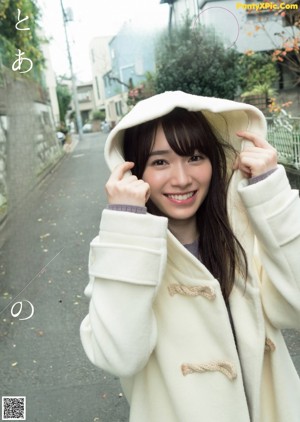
93, 18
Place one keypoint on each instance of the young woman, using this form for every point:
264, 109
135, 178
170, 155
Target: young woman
196, 267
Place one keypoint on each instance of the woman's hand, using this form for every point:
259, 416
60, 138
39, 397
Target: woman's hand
124, 189
255, 159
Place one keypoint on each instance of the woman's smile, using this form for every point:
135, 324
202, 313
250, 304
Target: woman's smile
181, 198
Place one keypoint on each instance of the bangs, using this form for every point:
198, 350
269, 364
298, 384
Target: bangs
187, 132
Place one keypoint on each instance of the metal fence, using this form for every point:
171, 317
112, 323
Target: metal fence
284, 135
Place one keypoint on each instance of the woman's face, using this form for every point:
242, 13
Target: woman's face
178, 184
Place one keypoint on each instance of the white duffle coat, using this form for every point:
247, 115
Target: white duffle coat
157, 318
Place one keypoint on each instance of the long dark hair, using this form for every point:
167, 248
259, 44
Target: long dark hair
187, 132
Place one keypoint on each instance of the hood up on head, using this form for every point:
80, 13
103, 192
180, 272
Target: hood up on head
226, 118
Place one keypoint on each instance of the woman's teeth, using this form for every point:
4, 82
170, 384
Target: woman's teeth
182, 197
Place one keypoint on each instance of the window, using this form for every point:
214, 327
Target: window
118, 107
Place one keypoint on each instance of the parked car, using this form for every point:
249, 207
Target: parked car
87, 128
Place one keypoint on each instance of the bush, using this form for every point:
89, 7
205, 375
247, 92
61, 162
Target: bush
192, 59
98, 115
258, 73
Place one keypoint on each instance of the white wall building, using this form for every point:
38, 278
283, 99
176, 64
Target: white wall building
100, 64
239, 23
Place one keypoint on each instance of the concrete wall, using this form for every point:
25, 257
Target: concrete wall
3, 161
100, 64
28, 143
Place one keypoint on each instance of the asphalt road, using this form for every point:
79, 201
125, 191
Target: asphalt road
44, 256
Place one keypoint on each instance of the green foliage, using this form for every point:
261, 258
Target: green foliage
98, 115
258, 73
64, 98
12, 40
194, 60
149, 84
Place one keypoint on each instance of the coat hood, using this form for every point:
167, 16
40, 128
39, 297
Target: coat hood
226, 118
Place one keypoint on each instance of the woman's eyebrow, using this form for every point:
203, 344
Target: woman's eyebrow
159, 152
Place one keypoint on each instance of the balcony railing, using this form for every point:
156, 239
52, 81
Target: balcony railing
284, 135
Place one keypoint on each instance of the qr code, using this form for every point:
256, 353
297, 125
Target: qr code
13, 408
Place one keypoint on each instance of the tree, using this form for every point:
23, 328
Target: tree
258, 73
194, 60
286, 38
145, 90
12, 39
64, 98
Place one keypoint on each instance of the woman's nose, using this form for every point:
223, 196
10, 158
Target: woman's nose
180, 175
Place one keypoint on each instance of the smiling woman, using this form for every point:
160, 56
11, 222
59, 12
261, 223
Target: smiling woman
188, 182
194, 271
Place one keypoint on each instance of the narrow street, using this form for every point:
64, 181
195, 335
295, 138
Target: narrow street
44, 257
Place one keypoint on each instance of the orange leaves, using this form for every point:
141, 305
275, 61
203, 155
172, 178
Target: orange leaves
276, 108
276, 55
288, 47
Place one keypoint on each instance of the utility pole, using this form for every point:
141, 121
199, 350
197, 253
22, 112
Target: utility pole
73, 76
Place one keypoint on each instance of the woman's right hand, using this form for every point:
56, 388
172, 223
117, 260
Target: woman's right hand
124, 189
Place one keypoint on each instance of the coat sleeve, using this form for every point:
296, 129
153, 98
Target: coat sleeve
274, 210
126, 264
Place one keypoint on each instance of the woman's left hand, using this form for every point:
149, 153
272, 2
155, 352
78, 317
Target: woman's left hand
255, 160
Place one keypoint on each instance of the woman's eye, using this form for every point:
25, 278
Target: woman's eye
197, 157
158, 162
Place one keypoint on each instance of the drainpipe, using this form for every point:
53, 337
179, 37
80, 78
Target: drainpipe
170, 18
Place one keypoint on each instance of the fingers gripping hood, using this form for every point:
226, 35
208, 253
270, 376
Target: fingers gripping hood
225, 116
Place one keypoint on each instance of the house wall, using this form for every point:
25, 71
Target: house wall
86, 101
235, 25
100, 65
50, 82
132, 56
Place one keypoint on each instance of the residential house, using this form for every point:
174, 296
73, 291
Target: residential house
86, 100
100, 64
247, 25
132, 56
